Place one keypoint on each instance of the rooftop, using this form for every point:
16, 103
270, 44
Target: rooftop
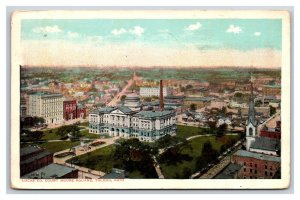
153, 114
265, 143
36, 157
258, 156
229, 171
29, 150
50, 172
205, 99
47, 94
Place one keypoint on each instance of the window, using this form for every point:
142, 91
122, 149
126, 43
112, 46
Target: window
245, 170
266, 167
250, 131
251, 170
266, 173
255, 165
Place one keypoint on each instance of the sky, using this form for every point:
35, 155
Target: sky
151, 42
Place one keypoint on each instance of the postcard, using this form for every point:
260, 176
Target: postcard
150, 99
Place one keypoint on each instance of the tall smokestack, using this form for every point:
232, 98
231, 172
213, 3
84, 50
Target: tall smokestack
161, 96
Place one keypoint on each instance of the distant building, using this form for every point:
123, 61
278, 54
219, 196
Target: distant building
33, 158
154, 91
200, 102
46, 105
122, 121
175, 102
53, 171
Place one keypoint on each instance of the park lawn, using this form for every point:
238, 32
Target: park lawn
188, 131
84, 124
85, 133
58, 146
50, 134
173, 171
101, 159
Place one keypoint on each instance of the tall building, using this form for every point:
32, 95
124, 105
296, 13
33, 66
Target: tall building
154, 91
123, 122
46, 105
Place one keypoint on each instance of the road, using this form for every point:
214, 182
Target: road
117, 98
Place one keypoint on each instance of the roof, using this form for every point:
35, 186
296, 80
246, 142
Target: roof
50, 171
174, 97
113, 175
265, 143
229, 171
29, 150
206, 99
258, 156
153, 114
47, 94
106, 109
36, 157
125, 109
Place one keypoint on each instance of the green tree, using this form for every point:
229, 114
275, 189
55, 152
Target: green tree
123, 97
221, 130
272, 110
72, 130
193, 107
208, 153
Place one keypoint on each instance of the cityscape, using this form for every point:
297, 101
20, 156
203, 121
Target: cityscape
150, 99
158, 123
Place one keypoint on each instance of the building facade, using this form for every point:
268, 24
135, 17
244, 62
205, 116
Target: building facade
70, 109
255, 165
154, 91
73, 110
46, 105
123, 122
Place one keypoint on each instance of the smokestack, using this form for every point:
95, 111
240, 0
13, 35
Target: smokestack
161, 96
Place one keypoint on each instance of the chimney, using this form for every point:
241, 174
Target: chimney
161, 96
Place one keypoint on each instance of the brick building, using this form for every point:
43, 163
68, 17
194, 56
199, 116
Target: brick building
255, 165
73, 110
80, 111
33, 158
70, 109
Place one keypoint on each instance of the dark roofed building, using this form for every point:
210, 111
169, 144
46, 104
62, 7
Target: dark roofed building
33, 158
230, 172
53, 171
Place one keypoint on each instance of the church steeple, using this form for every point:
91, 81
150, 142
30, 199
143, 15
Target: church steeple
251, 125
251, 112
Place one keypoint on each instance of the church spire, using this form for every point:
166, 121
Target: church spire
251, 112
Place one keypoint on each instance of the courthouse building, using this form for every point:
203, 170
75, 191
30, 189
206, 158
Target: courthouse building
46, 105
121, 121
